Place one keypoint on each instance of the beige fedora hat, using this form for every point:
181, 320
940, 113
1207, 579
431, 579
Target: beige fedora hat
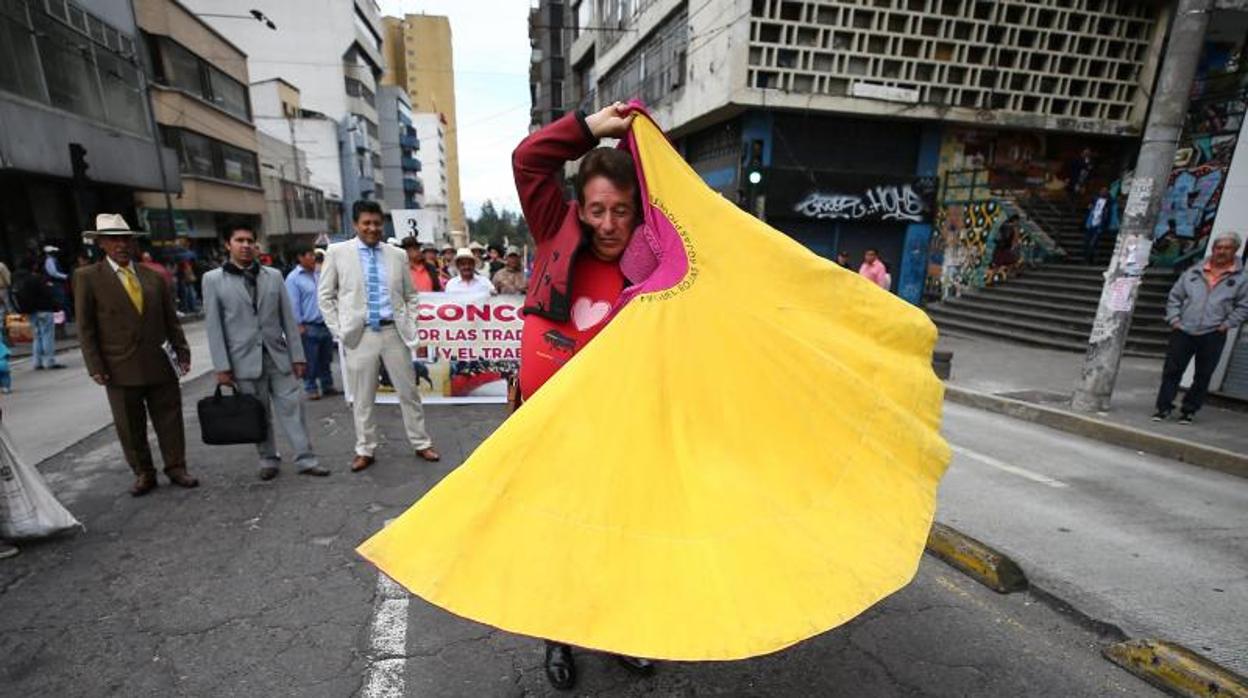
110, 224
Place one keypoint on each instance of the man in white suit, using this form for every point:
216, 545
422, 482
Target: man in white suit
369, 304
253, 337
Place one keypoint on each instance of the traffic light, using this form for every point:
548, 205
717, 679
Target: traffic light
78, 160
754, 163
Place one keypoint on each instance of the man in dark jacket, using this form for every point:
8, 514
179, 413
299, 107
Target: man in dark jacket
576, 272
37, 297
1206, 302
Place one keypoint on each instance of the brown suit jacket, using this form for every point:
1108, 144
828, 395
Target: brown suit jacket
116, 340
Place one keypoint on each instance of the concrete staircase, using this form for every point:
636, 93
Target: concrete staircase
1054, 305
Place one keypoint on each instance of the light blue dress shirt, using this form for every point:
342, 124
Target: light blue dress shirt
301, 287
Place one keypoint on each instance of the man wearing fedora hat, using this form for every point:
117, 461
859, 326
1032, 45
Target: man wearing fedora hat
125, 317
468, 280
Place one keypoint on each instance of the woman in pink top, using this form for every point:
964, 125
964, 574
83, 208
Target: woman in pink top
874, 269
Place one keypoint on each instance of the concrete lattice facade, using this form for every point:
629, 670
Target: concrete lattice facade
1078, 59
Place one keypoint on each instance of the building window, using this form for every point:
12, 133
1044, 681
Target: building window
176, 66
208, 157
19, 65
653, 69
228, 93
68, 67
582, 13
355, 88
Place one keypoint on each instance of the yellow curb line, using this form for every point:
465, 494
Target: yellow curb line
983, 564
1177, 669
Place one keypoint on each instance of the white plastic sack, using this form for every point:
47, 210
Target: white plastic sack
27, 507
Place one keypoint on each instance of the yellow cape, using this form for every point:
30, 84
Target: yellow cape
736, 463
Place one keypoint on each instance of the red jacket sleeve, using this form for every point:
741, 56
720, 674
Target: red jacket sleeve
537, 162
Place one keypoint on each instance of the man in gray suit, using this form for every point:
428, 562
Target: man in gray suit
253, 337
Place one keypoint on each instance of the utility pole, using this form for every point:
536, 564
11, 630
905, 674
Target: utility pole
1152, 174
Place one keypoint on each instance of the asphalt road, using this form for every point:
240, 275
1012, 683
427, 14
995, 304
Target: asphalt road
1153, 546
244, 588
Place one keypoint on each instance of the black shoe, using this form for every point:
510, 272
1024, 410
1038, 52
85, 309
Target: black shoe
1186, 418
1161, 415
330, 392
268, 472
636, 665
317, 470
560, 668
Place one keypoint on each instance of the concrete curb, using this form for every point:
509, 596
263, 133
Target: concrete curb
1176, 669
975, 559
1101, 430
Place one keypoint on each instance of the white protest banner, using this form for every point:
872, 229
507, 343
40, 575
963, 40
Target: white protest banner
469, 348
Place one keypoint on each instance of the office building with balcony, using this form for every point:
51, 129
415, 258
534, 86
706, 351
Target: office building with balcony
400, 146
312, 152
432, 129
198, 82
334, 57
76, 136
295, 211
419, 59
548, 37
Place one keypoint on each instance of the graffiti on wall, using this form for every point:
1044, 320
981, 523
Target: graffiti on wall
885, 203
981, 243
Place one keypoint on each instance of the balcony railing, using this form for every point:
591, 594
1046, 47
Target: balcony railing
409, 140
413, 185
410, 165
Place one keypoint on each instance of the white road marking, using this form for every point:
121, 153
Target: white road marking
387, 666
1006, 467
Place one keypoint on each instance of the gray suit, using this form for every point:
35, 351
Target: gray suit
259, 342
240, 334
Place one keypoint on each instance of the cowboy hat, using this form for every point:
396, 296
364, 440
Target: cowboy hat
465, 253
474, 245
512, 249
110, 224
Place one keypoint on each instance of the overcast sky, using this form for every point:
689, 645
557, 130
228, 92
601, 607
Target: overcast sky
491, 45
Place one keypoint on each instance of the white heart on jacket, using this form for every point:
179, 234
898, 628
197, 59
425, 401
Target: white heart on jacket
586, 313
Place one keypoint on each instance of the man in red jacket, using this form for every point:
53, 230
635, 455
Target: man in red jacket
576, 273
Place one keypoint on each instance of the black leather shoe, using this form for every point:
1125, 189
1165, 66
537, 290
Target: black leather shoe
268, 472
560, 668
636, 665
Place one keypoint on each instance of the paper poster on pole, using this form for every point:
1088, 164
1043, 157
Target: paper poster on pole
469, 348
1120, 293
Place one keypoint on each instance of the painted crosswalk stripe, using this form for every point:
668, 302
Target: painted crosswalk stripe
1006, 467
387, 664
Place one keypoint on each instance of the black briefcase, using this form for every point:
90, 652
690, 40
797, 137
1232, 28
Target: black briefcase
232, 419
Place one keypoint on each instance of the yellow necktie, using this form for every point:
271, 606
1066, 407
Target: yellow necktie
131, 282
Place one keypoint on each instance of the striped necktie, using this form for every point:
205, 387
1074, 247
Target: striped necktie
374, 291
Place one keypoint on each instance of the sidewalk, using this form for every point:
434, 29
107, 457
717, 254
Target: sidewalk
1047, 378
50, 410
68, 341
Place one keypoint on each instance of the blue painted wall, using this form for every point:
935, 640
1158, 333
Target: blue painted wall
912, 274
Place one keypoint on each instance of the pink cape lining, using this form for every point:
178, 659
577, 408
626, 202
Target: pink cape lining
655, 258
